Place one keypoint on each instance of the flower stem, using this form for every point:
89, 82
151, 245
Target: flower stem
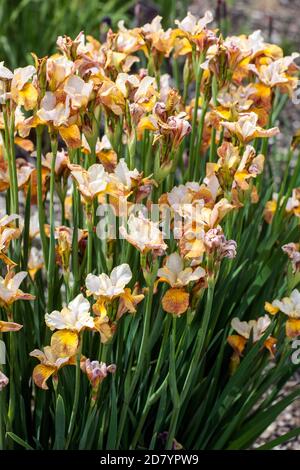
153, 384
143, 352
89, 211
173, 388
9, 145
197, 164
212, 150
12, 389
14, 167
41, 208
51, 258
76, 396
198, 73
2, 420
200, 340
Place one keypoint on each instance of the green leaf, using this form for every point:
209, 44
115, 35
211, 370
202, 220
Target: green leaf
89, 428
19, 441
257, 425
280, 440
60, 424
113, 423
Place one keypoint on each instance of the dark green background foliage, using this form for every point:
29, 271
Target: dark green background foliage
33, 25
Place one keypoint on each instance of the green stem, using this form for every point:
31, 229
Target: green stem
51, 259
12, 389
76, 396
2, 420
76, 208
67, 286
143, 353
11, 155
197, 164
186, 80
200, 341
89, 211
153, 384
291, 185
7, 145
173, 388
41, 208
13, 163
212, 149
282, 187
198, 73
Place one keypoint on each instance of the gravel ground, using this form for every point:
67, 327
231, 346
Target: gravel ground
289, 419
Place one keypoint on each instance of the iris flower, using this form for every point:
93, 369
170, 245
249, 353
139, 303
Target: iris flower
50, 363
246, 128
109, 286
70, 321
252, 328
290, 306
144, 235
91, 182
96, 371
9, 288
